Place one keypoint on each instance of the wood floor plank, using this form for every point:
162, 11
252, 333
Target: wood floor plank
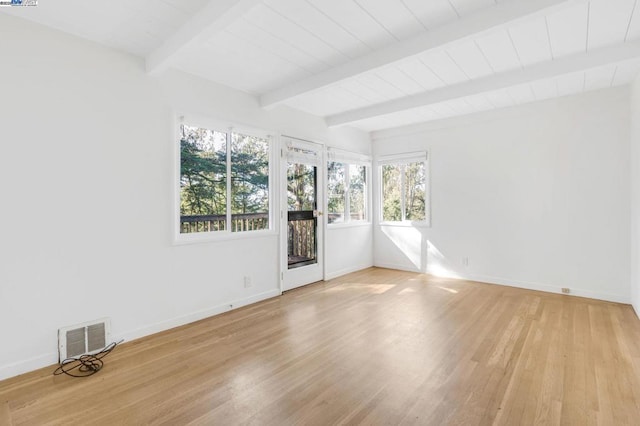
5, 415
374, 347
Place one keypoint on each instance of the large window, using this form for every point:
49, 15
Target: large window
346, 189
404, 189
224, 181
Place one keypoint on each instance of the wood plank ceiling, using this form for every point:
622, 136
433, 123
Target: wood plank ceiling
373, 64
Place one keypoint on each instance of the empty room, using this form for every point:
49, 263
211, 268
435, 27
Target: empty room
319, 212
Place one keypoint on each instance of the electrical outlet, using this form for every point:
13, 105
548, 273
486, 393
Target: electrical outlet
465, 261
247, 282
566, 290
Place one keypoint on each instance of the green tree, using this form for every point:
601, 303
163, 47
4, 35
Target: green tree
357, 191
249, 174
335, 191
415, 191
404, 182
202, 172
301, 187
391, 185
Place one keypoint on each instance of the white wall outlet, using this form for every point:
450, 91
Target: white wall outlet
465, 261
566, 290
247, 282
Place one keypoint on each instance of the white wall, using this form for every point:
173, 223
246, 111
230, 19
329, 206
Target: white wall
86, 178
349, 249
535, 196
635, 195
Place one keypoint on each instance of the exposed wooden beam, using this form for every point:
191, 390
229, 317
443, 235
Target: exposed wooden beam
507, 11
555, 68
212, 18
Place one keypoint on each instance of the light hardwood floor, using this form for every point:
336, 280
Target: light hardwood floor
374, 347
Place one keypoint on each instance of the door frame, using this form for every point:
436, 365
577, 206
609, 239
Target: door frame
303, 275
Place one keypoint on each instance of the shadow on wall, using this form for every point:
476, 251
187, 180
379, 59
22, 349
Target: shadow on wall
410, 248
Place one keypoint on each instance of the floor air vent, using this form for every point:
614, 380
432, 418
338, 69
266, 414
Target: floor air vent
81, 339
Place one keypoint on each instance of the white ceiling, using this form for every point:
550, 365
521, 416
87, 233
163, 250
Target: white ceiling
372, 64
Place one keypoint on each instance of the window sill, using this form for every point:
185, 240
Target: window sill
343, 225
215, 237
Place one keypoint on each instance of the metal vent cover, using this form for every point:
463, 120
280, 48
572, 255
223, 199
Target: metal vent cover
96, 337
86, 338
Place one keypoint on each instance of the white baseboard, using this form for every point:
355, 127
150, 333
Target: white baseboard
397, 267
514, 283
35, 363
345, 271
195, 316
27, 365
537, 286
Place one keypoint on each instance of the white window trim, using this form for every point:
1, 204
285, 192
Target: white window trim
407, 157
341, 156
354, 224
228, 127
403, 158
294, 149
347, 157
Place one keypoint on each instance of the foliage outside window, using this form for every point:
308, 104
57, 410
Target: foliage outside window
346, 192
224, 181
336, 190
301, 187
404, 191
357, 192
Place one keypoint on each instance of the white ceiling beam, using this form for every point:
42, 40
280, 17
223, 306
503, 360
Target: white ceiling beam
505, 12
566, 65
211, 19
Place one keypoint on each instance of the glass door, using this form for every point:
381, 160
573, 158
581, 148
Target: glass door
302, 215
303, 219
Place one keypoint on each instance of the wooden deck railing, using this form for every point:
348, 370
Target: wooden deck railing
302, 240
217, 222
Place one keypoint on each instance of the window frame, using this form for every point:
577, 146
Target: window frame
348, 158
228, 128
404, 159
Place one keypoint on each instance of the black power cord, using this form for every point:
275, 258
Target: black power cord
85, 365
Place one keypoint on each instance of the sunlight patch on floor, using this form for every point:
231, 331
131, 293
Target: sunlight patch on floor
371, 288
450, 290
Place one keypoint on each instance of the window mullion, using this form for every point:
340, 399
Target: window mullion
229, 180
347, 188
367, 180
403, 201
427, 195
